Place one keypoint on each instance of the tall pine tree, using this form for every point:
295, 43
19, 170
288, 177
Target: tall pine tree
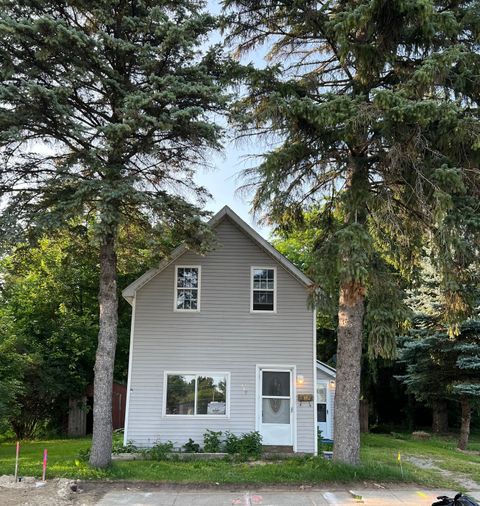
372, 107
106, 109
440, 367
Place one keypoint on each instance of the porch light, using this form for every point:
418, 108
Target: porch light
300, 379
332, 383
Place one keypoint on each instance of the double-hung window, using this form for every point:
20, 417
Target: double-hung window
187, 288
263, 296
196, 393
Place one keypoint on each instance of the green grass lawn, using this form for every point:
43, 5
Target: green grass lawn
379, 464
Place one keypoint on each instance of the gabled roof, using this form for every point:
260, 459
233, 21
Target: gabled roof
129, 292
330, 371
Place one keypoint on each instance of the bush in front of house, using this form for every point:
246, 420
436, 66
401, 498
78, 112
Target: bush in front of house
159, 451
251, 444
191, 447
247, 445
232, 444
212, 442
118, 447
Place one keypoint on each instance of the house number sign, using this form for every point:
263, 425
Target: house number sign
305, 397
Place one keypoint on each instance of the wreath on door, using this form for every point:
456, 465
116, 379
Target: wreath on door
276, 389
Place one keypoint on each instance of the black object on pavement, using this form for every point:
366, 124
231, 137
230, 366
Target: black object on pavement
458, 500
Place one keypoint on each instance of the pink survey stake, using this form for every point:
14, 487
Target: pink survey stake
45, 454
17, 454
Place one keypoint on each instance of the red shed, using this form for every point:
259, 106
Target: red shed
80, 415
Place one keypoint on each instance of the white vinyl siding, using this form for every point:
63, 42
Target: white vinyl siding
224, 336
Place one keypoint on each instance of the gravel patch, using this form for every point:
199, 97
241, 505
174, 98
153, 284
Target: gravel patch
426, 463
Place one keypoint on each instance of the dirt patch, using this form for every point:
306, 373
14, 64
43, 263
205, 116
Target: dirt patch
463, 480
31, 492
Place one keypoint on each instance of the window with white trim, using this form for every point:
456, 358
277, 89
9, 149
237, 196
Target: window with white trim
196, 394
263, 289
187, 288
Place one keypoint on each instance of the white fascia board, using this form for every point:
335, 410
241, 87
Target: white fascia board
330, 371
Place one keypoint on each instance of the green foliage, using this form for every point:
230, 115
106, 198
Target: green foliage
245, 446
126, 94
49, 322
118, 447
12, 369
370, 113
251, 444
83, 455
159, 451
314, 244
303, 239
322, 445
319, 441
191, 447
212, 441
231, 443
441, 367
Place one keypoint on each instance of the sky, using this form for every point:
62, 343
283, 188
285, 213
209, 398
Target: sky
224, 179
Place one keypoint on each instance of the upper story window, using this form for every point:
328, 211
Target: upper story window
187, 288
263, 298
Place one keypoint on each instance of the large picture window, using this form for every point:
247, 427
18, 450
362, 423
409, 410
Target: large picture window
187, 288
263, 289
196, 394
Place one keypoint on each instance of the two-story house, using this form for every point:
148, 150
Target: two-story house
224, 341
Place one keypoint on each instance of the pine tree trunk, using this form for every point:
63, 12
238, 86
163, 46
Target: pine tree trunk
101, 452
349, 356
351, 310
465, 425
439, 417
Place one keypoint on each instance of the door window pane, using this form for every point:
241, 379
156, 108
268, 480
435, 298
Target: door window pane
276, 411
321, 392
321, 412
276, 383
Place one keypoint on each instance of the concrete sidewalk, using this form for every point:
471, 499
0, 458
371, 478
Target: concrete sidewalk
314, 497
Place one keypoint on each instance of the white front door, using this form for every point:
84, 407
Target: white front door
323, 409
275, 408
